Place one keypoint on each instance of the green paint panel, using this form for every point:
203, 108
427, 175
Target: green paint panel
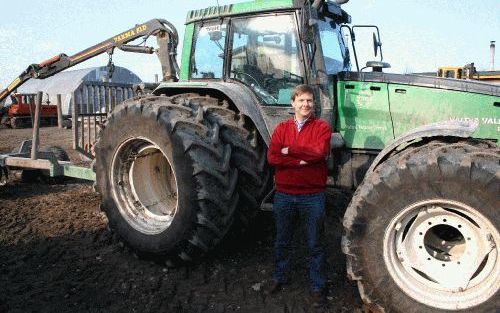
79, 172
364, 120
412, 106
70, 170
186, 52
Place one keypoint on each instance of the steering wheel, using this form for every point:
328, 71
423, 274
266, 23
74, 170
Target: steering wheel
291, 77
251, 81
245, 77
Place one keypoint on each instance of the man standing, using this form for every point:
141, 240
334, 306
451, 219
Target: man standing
298, 150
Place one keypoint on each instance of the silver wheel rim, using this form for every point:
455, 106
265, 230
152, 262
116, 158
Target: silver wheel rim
443, 254
144, 185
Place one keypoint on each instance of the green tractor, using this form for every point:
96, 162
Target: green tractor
178, 166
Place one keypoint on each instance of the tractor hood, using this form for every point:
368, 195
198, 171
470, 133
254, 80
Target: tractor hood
424, 81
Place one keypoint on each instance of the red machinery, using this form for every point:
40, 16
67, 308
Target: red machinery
19, 113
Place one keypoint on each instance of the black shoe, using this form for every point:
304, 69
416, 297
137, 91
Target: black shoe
318, 298
273, 287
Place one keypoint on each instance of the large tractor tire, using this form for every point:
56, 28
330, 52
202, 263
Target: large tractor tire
249, 152
165, 177
422, 230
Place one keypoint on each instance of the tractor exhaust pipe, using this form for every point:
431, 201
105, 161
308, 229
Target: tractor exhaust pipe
492, 55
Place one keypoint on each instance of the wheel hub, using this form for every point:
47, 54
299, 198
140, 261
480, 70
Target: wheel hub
144, 185
441, 252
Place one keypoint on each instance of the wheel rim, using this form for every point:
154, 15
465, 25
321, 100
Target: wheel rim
144, 186
443, 254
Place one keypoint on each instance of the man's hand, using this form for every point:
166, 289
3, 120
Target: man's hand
284, 151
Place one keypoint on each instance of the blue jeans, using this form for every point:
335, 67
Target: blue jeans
310, 208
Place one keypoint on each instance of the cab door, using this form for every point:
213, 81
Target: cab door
364, 114
265, 56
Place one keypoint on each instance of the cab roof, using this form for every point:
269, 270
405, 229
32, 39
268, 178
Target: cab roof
259, 6
240, 8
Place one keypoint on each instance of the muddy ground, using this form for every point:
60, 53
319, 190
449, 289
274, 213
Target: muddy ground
57, 255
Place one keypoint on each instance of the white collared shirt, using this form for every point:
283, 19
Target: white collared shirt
298, 124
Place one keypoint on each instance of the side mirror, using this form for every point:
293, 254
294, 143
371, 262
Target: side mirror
376, 44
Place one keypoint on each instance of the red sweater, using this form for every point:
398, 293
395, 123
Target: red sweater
312, 145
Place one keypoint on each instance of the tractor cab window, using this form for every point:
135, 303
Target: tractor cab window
333, 47
264, 56
208, 57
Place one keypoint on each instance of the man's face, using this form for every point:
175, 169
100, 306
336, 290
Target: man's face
303, 105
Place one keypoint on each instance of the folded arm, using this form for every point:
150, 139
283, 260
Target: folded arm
315, 150
274, 155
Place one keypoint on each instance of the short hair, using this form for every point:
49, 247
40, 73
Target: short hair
301, 89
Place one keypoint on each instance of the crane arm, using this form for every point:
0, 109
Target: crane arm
167, 39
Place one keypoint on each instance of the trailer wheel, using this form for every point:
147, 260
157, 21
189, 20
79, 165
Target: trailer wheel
165, 180
422, 231
31, 176
59, 153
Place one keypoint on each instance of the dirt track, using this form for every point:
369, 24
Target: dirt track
57, 255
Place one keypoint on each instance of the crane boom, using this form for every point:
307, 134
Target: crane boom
167, 39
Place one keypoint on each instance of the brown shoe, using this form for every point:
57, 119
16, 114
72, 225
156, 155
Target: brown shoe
318, 298
273, 287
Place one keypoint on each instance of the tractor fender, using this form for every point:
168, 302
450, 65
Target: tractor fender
242, 97
461, 129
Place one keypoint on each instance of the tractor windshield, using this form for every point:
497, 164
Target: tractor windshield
208, 57
334, 49
264, 56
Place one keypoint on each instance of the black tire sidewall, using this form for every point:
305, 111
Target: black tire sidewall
394, 190
133, 124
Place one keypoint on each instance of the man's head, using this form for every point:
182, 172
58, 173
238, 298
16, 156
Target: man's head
303, 101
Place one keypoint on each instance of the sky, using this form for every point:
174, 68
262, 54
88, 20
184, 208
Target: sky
416, 36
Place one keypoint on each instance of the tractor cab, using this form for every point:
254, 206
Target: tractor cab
271, 51
264, 51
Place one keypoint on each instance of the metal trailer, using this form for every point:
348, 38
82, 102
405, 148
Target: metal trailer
29, 157
32, 158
